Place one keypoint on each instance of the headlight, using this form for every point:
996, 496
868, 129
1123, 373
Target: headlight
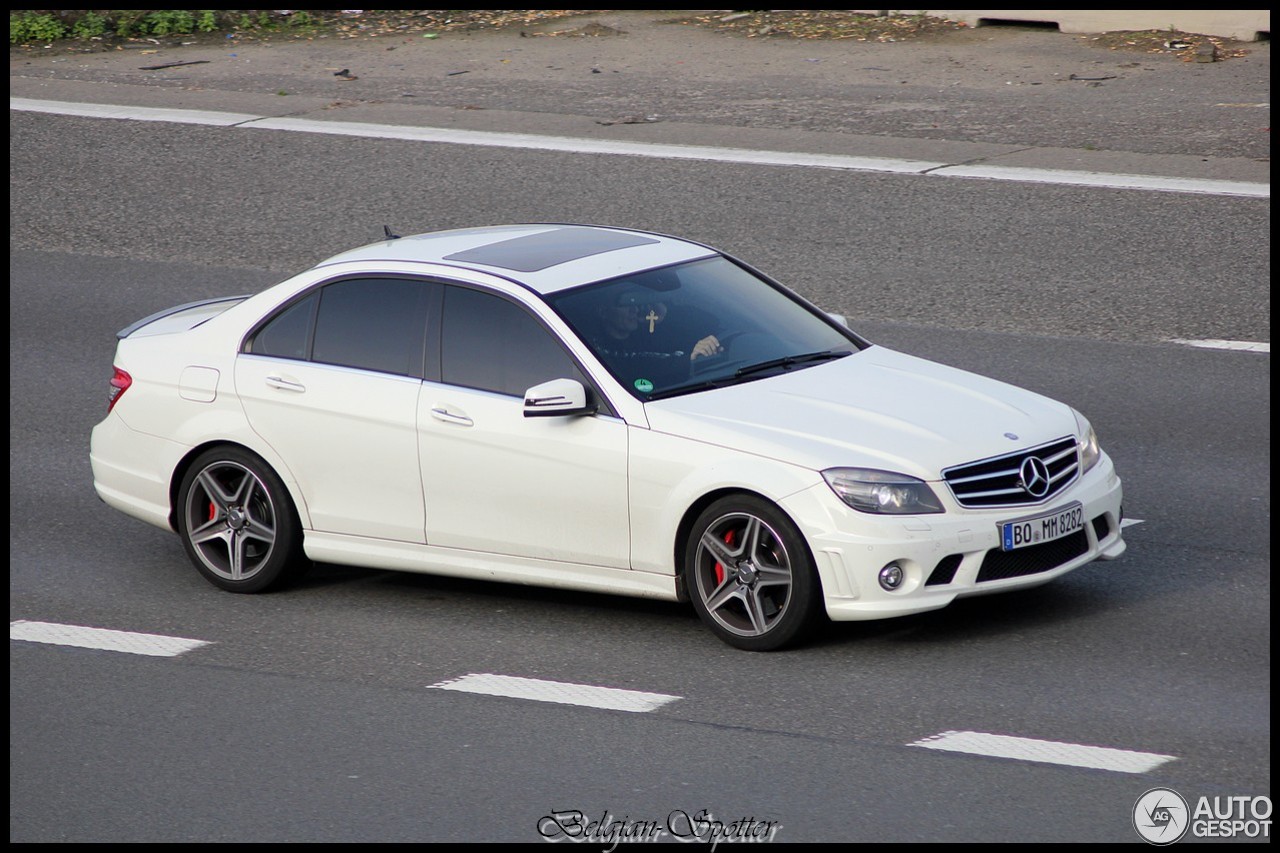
882, 492
1087, 443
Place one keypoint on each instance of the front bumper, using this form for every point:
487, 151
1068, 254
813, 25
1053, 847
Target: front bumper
949, 555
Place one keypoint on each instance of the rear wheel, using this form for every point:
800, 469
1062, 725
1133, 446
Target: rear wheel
237, 522
750, 574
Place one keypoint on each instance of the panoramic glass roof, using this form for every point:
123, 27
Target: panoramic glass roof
534, 252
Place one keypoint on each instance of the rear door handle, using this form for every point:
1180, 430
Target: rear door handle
285, 384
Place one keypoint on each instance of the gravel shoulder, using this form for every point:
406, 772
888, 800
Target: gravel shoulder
1032, 97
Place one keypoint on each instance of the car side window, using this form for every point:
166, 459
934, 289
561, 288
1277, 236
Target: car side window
374, 324
492, 344
369, 323
288, 334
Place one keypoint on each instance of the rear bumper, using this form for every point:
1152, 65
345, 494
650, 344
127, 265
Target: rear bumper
131, 470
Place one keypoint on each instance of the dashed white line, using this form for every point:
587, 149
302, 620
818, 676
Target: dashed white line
1045, 751
659, 150
1130, 522
611, 698
561, 692
1240, 346
52, 633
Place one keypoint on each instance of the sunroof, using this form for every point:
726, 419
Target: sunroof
534, 252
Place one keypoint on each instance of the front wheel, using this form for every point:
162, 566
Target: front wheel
750, 574
237, 522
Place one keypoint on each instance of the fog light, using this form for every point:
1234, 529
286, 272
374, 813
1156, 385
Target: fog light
891, 576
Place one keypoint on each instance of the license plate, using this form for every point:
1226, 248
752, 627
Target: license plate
1041, 528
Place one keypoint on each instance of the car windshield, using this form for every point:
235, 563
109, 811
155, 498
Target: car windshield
697, 325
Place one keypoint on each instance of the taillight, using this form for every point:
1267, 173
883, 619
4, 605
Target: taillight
120, 382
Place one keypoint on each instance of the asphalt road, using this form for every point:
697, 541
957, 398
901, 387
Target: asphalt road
310, 716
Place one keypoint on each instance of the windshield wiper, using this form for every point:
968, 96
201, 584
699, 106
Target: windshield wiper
690, 387
788, 361
749, 370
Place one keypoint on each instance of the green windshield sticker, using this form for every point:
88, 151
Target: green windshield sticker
644, 386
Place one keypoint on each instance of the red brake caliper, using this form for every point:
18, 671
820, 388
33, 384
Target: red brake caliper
728, 540
213, 511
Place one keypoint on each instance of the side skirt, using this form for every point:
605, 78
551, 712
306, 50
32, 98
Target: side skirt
454, 562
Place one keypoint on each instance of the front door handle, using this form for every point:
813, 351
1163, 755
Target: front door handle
440, 413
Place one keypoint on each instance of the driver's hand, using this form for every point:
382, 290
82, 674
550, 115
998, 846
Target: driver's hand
710, 345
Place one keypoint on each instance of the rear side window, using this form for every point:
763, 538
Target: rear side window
289, 334
495, 345
368, 323
374, 324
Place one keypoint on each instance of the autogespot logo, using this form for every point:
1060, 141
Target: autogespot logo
1160, 816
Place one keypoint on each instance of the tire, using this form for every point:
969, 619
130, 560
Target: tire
237, 522
750, 575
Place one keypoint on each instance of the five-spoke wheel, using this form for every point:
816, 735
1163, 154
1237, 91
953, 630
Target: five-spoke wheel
237, 523
750, 574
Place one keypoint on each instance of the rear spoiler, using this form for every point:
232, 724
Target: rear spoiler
181, 317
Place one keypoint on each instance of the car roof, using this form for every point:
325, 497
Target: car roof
543, 257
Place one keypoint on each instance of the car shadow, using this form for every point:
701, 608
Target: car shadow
1077, 599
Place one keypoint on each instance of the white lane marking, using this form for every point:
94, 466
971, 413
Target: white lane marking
1241, 346
178, 116
1130, 522
659, 150
52, 633
556, 691
1109, 180
601, 146
1045, 751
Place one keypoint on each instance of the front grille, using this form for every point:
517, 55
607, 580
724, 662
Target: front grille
999, 565
998, 481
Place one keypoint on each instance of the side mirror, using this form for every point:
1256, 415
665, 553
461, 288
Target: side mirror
839, 318
555, 398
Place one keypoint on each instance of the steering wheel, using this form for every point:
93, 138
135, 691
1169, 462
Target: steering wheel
715, 360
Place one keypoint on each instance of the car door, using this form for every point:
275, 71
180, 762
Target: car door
498, 482
332, 384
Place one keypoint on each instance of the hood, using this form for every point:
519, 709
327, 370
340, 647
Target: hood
873, 409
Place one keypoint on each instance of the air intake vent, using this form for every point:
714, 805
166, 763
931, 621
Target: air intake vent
999, 565
945, 572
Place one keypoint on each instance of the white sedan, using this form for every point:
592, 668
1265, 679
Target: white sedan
597, 409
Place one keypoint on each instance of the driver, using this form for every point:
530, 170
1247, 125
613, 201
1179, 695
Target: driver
631, 325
